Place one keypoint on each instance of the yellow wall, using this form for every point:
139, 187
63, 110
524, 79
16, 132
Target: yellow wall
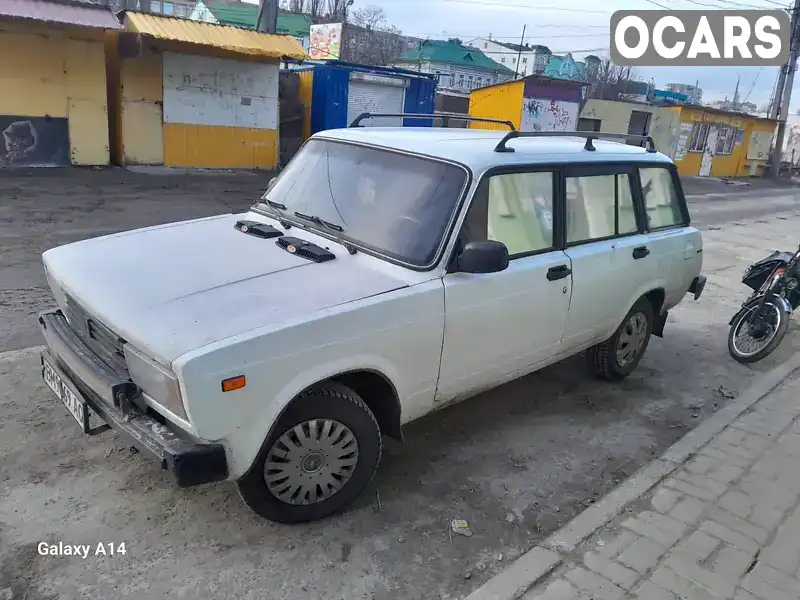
503, 101
305, 91
734, 165
140, 109
615, 117
219, 147
58, 73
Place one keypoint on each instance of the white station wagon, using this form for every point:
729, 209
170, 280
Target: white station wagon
386, 273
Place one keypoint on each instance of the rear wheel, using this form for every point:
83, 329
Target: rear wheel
321, 454
618, 356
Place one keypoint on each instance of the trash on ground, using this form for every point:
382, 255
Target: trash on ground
460, 527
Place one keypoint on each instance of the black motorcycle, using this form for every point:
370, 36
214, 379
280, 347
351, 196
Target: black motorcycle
762, 321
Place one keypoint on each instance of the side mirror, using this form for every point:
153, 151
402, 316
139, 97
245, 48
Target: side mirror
271, 183
483, 257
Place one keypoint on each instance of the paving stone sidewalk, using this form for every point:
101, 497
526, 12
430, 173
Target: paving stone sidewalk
724, 525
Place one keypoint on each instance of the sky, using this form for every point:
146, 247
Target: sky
580, 27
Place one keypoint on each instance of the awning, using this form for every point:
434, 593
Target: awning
232, 39
61, 13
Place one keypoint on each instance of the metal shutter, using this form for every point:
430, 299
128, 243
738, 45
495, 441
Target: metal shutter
376, 94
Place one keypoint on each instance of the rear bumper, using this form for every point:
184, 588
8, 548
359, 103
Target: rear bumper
697, 286
111, 395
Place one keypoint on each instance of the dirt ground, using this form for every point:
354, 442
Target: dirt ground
515, 463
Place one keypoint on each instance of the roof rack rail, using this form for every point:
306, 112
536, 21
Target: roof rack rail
589, 135
444, 116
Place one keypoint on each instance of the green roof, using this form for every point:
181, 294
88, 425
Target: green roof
246, 15
453, 52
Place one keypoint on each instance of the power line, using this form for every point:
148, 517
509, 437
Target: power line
516, 37
659, 5
750, 91
737, 4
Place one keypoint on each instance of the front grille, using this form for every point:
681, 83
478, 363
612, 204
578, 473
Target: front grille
97, 336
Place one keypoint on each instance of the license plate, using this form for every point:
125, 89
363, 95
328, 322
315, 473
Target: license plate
75, 405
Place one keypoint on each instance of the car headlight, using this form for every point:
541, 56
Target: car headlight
155, 380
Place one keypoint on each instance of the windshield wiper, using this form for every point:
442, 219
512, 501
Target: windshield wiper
276, 208
327, 225
318, 221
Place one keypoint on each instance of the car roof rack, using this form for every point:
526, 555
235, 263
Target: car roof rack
589, 135
444, 116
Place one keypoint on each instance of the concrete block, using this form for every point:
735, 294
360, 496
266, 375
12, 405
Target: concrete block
611, 570
719, 585
688, 510
697, 547
642, 555
597, 587
736, 502
523, 573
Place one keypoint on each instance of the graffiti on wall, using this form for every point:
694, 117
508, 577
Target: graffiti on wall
548, 115
29, 141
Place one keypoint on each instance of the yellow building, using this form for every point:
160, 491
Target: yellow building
533, 103
636, 118
192, 94
721, 143
53, 107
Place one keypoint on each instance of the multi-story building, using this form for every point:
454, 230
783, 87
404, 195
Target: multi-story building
457, 67
693, 93
522, 59
170, 8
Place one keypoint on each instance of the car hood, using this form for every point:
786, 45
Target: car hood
174, 288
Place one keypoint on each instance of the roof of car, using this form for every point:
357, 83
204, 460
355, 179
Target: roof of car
475, 147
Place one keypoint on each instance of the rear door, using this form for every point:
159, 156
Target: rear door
606, 243
675, 248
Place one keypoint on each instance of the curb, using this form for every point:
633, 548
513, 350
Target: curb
11, 355
541, 560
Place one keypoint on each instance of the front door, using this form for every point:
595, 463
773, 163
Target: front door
708, 152
499, 326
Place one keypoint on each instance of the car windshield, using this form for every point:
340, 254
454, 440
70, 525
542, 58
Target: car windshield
395, 204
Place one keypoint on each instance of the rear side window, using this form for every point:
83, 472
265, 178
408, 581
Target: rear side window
599, 207
661, 202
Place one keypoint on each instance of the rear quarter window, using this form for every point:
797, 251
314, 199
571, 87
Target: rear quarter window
663, 205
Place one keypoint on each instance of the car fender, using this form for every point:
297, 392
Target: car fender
246, 444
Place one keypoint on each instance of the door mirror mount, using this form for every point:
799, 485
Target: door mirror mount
487, 256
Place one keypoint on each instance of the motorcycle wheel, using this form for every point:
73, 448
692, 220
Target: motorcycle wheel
743, 346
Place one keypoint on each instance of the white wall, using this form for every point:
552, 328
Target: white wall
543, 114
506, 57
455, 73
201, 90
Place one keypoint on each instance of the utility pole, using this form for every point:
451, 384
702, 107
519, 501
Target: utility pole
519, 54
268, 16
783, 93
736, 93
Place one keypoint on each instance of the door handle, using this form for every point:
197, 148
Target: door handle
640, 252
559, 272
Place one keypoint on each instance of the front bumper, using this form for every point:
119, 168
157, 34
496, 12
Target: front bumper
111, 395
697, 286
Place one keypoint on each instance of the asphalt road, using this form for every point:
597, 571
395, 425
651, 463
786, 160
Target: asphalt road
515, 462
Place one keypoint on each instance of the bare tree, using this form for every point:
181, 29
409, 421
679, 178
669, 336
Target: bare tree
336, 10
314, 8
374, 40
296, 6
611, 81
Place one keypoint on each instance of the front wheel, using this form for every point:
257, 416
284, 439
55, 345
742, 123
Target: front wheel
750, 342
321, 454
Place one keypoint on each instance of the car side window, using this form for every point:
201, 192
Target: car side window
599, 207
661, 202
513, 208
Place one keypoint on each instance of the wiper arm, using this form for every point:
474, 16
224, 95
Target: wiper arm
276, 208
318, 221
274, 204
327, 225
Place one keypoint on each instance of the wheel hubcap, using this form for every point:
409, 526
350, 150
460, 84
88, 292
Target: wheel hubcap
311, 461
632, 339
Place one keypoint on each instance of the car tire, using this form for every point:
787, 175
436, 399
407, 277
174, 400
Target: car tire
616, 358
319, 424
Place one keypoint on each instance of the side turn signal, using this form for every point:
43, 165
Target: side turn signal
233, 383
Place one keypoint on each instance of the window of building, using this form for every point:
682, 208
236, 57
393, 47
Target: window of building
524, 60
478, 82
726, 138
168, 8
513, 208
540, 64
155, 6
599, 207
513, 61
485, 45
588, 124
697, 141
661, 202
181, 10
503, 59
469, 82
452, 79
461, 80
